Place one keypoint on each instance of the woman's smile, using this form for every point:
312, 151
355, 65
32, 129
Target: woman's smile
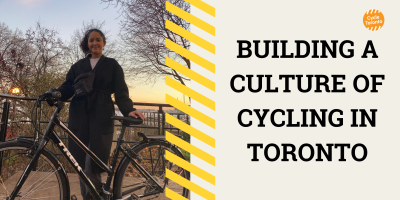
96, 44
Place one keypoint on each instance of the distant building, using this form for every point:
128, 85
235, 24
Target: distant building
147, 110
174, 111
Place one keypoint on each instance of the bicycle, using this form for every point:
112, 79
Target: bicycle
30, 171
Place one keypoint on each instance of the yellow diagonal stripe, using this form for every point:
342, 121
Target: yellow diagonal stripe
190, 148
186, 71
189, 130
190, 55
190, 36
203, 6
190, 73
190, 111
189, 18
189, 92
173, 195
189, 185
190, 167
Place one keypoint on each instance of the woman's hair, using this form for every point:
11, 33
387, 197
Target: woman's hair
85, 40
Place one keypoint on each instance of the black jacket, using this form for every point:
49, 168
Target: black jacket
90, 116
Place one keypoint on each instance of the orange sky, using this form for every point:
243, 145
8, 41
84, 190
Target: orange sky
153, 93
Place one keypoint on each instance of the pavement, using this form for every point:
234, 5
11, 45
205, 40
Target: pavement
48, 188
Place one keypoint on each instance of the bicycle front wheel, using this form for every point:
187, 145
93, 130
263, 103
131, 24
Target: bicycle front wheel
128, 181
46, 181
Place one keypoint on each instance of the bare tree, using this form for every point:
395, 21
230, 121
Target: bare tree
143, 34
26, 59
112, 49
13, 50
49, 49
32, 61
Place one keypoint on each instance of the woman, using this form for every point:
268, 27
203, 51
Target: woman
90, 115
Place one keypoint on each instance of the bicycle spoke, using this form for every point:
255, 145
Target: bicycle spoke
38, 185
34, 173
34, 184
47, 188
160, 155
151, 161
43, 183
135, 183
44, 197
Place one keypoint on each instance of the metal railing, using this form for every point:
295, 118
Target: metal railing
157, 119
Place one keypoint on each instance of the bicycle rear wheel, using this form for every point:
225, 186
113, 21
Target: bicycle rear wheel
47, 181
129, 181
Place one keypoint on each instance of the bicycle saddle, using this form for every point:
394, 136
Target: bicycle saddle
128, 120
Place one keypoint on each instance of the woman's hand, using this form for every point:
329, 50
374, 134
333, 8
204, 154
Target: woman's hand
137, 113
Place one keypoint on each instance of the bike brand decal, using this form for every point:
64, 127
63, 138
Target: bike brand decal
70, 156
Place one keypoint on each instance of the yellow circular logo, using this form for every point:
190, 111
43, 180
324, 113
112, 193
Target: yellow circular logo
373, 20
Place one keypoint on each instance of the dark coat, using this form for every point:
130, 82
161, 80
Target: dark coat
90, 116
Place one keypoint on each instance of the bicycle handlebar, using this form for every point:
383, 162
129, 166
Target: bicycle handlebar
51, 94
56, 94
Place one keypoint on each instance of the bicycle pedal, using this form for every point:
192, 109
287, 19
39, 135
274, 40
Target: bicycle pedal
73, 197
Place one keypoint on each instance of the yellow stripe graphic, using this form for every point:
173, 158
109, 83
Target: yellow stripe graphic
190, 148
203, 6
206, 101
189, 92
173, 195
189, 130
190, 36
190, 167
189, 185
190, 73
190, 55
190, 111
189, 18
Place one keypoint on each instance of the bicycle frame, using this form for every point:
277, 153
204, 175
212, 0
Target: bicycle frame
50, 134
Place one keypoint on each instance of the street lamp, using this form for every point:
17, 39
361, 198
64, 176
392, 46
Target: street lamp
14, 90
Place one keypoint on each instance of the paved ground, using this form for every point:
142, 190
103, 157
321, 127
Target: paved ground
36, 187
74, 185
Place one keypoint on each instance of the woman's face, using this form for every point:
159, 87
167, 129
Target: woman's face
96, 43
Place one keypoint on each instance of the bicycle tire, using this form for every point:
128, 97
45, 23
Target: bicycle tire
48, 181
127, 177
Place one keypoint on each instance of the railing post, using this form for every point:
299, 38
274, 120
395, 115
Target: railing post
4, 121
158, 118
163, 122
3, 130
178, 128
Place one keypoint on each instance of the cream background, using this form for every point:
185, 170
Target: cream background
236, 176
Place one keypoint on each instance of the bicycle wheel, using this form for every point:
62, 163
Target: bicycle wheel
129, 181
47, 181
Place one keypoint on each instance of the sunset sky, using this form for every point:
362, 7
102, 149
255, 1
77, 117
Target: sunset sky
67, 16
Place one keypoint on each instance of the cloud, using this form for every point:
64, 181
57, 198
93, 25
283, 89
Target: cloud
30, 3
